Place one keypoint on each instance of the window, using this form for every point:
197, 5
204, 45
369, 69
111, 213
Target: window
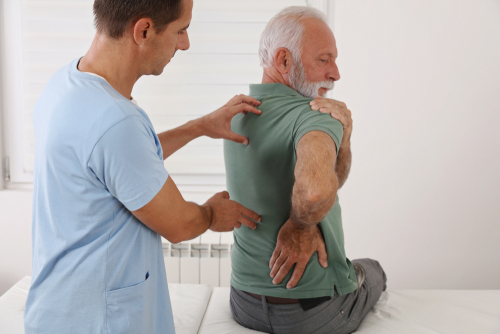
221, 62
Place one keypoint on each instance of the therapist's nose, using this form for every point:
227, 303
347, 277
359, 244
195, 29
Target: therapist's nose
183, 41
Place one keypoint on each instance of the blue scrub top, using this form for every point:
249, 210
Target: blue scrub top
96, 268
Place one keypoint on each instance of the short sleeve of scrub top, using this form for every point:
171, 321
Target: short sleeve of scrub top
125, 161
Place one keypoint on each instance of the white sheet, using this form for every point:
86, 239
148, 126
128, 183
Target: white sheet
397, 312
189, 302
12, 307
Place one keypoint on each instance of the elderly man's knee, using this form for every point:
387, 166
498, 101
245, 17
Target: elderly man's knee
374, 272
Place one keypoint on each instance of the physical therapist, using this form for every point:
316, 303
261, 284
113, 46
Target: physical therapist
102, 197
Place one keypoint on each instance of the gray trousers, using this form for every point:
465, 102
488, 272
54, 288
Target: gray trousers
341, 314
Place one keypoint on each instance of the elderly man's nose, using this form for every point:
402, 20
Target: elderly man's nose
334, 73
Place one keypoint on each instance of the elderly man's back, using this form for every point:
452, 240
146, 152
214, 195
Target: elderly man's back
260, 176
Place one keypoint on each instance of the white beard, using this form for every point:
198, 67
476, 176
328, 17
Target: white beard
307, 89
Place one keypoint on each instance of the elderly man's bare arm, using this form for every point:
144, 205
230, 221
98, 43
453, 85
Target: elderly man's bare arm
314, 194
339, 111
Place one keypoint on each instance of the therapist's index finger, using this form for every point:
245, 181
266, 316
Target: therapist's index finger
247, 107
248, 99
250, 214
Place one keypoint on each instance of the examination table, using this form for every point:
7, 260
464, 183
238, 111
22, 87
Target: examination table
199, 309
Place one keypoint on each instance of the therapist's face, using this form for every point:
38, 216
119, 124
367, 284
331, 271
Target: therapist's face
173, 38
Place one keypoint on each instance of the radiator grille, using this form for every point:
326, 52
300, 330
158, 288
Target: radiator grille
204, 260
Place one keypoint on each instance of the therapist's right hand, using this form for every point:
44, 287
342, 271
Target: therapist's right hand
228, 214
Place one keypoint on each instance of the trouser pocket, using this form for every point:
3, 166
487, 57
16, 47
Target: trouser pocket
127, 309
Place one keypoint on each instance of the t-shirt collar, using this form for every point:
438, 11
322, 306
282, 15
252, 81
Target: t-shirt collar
272, 89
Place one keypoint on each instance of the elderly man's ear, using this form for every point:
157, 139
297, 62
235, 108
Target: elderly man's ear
283, 60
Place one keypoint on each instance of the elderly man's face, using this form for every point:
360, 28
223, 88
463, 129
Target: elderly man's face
319, 53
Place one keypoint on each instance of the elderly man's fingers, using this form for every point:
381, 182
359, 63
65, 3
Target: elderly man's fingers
324, 104
284, 269
341, 118
275, 255
247, 222
298, 271
319, 99
278, 263
322, 255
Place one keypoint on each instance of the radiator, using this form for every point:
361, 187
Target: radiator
204, 260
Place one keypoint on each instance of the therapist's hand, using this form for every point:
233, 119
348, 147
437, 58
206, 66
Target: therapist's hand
295, 246
228, 215
218, 123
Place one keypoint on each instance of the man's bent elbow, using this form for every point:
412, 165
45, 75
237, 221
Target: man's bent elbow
324, 192
175, 240
175, 236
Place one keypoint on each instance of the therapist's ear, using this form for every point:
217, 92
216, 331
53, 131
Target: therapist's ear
142, 29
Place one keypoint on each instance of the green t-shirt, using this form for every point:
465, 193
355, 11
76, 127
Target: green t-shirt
260, 176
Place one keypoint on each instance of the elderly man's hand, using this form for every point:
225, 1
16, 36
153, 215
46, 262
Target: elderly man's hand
218, 123
296, 245
339, 111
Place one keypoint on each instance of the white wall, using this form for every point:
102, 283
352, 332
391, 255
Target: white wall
422, 80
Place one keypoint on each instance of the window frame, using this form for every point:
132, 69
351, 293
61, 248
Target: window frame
12, 138
12, 95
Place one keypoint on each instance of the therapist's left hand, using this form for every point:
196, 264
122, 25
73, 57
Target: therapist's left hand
218, 123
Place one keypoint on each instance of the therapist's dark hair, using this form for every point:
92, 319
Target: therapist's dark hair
113, 17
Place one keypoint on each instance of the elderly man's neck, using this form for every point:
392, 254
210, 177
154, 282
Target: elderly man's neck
272, 75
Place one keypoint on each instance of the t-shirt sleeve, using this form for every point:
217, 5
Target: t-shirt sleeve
310, 120
126, 161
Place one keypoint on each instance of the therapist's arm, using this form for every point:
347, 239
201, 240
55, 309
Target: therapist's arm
314, 193
214, 125
176, 220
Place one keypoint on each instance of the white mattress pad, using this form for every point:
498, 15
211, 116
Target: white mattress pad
397, 312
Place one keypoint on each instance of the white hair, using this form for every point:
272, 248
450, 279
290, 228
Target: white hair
285, 30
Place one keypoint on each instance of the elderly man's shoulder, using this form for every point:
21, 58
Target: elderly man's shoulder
301, 108
294, 103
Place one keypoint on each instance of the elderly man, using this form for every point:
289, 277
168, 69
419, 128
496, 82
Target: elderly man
297, 160
102, 196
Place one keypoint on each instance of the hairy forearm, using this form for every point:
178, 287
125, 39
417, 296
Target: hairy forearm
343, 166
174, 139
